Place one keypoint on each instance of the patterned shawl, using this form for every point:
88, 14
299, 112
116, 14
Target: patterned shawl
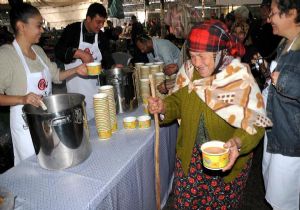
232, 94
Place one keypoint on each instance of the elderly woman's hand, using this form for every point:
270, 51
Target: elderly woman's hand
233, 144
156, 105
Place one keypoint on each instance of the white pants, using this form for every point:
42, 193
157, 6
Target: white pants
282, 180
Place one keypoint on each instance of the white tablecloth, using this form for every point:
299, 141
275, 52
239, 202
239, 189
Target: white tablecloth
119, 174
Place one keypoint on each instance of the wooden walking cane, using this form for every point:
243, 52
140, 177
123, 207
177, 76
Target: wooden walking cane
157, 175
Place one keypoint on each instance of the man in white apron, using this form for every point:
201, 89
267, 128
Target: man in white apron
85, 85
40, 84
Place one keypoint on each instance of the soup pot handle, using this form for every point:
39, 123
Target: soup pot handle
61, 120
25, 126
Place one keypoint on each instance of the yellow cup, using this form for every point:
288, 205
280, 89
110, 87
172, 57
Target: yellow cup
104, 134
215, 156
114, 127
129, 122
93, 68
144, 121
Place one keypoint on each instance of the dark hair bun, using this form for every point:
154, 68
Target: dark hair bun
15, 3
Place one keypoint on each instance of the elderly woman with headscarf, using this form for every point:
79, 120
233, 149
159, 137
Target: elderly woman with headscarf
180, 20
217, 99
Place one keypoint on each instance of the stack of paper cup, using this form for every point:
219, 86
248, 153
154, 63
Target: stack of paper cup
102, 117
161, 65
109, 90
149, 64
159, 78
154, 69
137, 67
137, 77
145, 92
144, 72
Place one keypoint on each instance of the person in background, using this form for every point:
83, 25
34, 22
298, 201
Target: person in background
159, 50
109, 29
84, 42
136, 30
261, 33
180, 20
241, 24
229, 20
26, 73
206, 112
5, 36
281, 160
264, 43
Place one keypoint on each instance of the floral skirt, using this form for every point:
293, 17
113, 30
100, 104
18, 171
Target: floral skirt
206, 189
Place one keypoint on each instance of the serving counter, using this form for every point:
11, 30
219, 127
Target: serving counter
119, 174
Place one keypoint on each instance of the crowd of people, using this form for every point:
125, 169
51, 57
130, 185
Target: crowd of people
237, 80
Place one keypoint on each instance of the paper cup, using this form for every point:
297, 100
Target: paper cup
144, 121
104, 134
149, 64
215, 156
93, 68
129, 122
145, 105
161, 65
114, 127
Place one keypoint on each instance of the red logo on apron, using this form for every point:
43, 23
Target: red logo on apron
42, 85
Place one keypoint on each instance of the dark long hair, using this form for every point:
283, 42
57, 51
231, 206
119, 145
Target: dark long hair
285, 5
20, 12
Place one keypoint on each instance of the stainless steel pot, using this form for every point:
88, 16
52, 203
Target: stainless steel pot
123, 80
60, 134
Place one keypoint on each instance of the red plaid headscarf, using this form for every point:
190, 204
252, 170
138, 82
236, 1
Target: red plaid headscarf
213, 36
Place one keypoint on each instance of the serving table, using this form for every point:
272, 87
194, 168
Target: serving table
119, 174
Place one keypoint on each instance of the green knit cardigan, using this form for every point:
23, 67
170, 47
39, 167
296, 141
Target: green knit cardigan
189, 107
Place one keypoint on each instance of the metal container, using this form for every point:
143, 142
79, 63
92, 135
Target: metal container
60, 134
123, 81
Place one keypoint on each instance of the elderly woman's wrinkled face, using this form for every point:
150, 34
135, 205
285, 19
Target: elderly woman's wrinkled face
203, 62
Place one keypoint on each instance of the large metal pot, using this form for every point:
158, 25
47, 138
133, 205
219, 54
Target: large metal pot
60, 134
123, 80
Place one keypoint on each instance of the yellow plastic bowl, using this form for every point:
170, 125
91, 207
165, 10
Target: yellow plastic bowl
144, 121
129, 122
93, 68
215, 156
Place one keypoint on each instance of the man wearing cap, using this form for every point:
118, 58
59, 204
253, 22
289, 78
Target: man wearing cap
209, 97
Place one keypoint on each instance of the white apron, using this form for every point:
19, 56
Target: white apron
40, 84
281, 174
85, 86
